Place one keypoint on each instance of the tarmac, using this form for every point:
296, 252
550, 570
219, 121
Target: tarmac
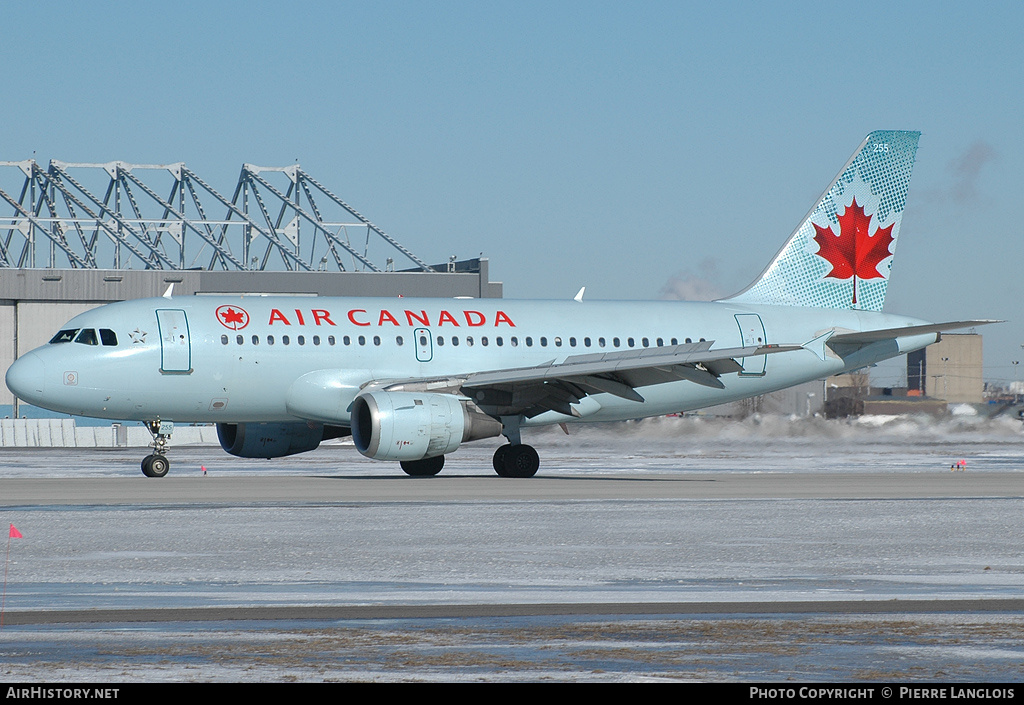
848, 552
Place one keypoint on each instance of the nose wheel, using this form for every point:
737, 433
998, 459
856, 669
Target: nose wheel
157, 464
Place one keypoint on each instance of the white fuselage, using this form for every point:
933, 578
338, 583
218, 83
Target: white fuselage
272, 359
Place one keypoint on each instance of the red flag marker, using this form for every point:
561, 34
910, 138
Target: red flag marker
12, 533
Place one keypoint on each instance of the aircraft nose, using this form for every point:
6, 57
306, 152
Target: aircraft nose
25, 377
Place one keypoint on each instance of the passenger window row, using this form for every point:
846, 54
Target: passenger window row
454, 340
287, 340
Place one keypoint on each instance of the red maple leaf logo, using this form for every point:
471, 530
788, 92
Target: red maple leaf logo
233, 317
854, 252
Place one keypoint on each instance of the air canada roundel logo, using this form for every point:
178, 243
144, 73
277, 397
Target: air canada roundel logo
233, 317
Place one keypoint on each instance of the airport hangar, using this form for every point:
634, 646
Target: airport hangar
76, 236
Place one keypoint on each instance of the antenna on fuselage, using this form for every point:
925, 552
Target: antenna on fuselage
170, 290
579, 294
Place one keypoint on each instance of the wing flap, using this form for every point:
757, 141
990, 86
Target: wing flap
628, 361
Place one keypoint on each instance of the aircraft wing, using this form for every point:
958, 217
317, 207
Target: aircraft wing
555, 386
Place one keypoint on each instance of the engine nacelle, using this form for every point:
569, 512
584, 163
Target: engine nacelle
414, 425
269, 440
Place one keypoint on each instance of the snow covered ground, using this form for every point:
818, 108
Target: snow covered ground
551, 551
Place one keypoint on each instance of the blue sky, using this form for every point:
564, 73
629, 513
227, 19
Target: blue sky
639, 149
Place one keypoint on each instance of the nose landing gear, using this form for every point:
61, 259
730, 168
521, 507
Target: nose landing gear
157, 464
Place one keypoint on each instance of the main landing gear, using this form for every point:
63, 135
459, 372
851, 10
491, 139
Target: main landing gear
516, 460
510, 460
157, 464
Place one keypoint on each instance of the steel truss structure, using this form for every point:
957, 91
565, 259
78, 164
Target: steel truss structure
57, 221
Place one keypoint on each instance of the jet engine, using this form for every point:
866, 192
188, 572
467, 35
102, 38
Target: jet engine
413, 426
274, 440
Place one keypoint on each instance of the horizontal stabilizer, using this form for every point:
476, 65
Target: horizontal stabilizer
871, 336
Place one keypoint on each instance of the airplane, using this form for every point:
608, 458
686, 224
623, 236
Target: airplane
412, 379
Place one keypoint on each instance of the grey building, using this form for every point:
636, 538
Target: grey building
77, 236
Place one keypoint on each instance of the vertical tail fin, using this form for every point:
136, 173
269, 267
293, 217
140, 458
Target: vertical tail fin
841, 254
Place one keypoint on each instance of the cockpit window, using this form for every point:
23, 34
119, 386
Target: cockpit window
65, 336
108, 337
87, 337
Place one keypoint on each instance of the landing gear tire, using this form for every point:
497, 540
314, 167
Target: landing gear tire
520, 460
428, 467
155, 466
499, 459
